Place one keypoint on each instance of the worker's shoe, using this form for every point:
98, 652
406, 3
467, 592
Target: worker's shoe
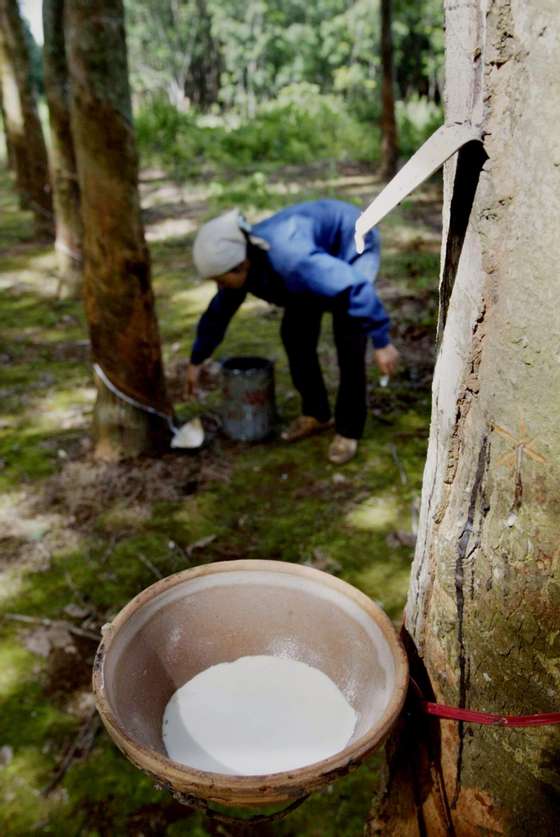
342, 449
304, 426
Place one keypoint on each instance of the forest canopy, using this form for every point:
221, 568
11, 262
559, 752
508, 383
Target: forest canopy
280, 82
245, 84
239, 55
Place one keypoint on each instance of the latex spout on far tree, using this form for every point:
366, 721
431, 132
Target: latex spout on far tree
445, 142
189, 436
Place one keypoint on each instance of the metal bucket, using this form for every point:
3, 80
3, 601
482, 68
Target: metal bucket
248, 406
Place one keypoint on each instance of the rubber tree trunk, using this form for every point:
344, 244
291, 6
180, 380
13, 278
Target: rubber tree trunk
64, 177
389, 140
482, 614
118, 295
25, 135
203, 82
10, 162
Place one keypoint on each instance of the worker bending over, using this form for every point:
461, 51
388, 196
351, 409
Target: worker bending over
303, 259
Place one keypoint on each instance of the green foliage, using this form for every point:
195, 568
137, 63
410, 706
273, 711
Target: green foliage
301, 126
416, 120
291, 83
419, 48
205, 53
253, 190
36, 58
172, 51
258, 46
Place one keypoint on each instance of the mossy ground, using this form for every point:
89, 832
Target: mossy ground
80, 538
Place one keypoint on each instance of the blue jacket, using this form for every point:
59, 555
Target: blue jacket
312, 253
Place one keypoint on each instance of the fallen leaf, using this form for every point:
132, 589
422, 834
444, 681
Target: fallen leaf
76, 611
43, 639
6, 755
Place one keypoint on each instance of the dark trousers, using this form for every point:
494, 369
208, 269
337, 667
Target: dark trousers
301, 329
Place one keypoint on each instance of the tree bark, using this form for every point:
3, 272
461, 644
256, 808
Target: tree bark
118, 295
23, 128
10, 161
483, 604
66, 193
389, 140
202, 85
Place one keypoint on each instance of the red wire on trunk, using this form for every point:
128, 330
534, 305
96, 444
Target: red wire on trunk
472, 716
452, 713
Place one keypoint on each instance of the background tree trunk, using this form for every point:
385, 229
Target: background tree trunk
389, 141
10, 161
66, 193
202, 86
482, 612
25, 135
118, 295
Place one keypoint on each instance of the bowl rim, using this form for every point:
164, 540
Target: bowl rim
225, 786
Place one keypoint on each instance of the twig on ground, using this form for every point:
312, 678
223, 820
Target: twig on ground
53, 623
398, 463
75, 590
149, 565
82, 744
113, 541
200, 544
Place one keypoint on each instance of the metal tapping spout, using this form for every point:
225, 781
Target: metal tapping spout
445, 142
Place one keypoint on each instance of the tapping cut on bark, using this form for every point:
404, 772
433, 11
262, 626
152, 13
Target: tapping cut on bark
118, 296
470, 160
482, 611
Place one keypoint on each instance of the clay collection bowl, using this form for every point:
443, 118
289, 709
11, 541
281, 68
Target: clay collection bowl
219, 612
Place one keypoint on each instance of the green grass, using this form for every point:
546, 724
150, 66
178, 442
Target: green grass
72, 536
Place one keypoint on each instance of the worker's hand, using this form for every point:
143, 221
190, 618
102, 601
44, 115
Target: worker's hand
387, 359
191, 383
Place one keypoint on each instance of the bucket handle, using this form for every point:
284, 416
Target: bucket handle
229, 819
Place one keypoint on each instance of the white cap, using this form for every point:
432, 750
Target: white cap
220, 245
